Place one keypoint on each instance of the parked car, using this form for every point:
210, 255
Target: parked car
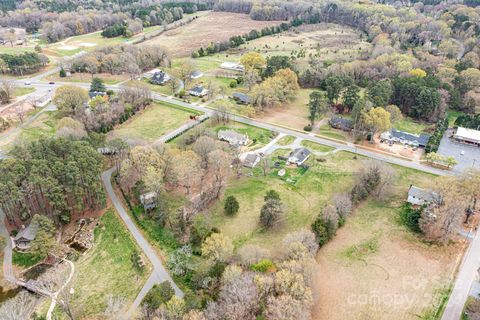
27, 83
51, 82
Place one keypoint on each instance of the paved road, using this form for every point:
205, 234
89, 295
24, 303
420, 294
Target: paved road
465, 277
159, 273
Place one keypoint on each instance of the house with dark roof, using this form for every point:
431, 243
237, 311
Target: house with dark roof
406, 138
299, 156
341, 123
419, 197
159, 78
25, 236
94, 94
196, 74
242, 98
233, 138
251, 160
198, 91
149, 200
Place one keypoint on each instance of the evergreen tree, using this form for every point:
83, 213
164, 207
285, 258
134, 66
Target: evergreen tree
231, 205
97, 85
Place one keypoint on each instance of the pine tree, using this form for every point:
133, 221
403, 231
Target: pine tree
231, 205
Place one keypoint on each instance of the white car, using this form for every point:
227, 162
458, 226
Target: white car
27, 83
462, 152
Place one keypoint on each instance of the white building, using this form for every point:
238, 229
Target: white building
465, 135
198, 91
233, 138
232, 66
418, 196
299, 156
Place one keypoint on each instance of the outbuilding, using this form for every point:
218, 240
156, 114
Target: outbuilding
466, 135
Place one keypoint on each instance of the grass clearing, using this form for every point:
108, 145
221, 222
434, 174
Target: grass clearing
154, 122
21, 91
87, 77
107, 269
330, 132
25, 259
286, 140
44, 126
452, 116
316, 146
411, 126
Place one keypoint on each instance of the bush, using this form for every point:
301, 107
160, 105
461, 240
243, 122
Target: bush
63, 74
233, 84
159, 294
264, 265
324, 229
434, 141
231, 205
307, 128
410, 216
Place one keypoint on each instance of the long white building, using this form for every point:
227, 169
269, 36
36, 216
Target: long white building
465, 135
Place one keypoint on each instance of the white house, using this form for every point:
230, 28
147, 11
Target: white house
198, 91
418, 196
233, 138
467, 136
232, 66
149, 200
299, 156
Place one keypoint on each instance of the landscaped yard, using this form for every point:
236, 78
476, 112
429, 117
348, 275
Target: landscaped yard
286, 140
44, 126
259, 137
316, 146
108, 268
329, 132
154, 122
411, 126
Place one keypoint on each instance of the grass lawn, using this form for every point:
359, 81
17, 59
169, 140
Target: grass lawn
15, 49
21, 91
107, 269
452, 115
286, 140
162, 89
154, 122
87, 78
411, 126
25, 259
316, 146
44, 126
330, 132
259, 137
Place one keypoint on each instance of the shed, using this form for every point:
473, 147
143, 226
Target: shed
466, 135
196, 74
242, 98
232, 66
25, 236
418, 196
251, 160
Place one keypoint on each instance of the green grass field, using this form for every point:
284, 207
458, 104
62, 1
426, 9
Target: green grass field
44, 126
108, 269
25, 259
329, 132
411, 126
21, 91
316, 146
286, 140
259, 137
154, 122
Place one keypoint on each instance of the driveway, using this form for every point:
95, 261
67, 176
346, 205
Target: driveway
469, 160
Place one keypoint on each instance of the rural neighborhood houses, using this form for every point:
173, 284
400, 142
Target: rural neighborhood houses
419, 197
149, 200
233, 138
469, 136
196, 74
198, 91
25, 236
242, 98
405, 138
341, 123
299, 156
159, 78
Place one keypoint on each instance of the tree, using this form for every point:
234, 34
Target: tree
271, 210
231, 205
18, 307
158, 295
376, 119
324, 229
350, 96
252, 60
317, 105
333, 86
305, 237
380, 93
275, 63
217, 248
62, 73
417, 72
97, 85
6, 91
185, 71
395, 113
285, 307
68, 98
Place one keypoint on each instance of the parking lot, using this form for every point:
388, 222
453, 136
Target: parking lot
470, 157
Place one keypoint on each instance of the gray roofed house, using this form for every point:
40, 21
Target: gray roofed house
299, 156
93, 94
196, 74
242, 98
406, 138
251, 160
198, 91
233, 137
149, 200
341, 123
418, 196
25, 236
159, 77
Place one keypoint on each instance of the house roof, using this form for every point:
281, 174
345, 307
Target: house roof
148, 196
425, 195
250, 160
28, 233
341, 123
421, 139
196, 74
232, 135
468, 134
300, 154
232, 65
197, 89
159, 76
93, 94
245, 98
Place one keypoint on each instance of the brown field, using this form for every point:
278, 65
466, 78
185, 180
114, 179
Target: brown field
212, 27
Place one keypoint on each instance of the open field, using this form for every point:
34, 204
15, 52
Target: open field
333, 133
86, 77
108, 269
153, 122
21, 91
16, 49
409, 125
211, 27
316, 147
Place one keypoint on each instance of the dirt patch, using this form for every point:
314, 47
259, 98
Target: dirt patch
382, 272
212, 27
17, 111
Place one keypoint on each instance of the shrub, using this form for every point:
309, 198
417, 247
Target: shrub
307, 128
434, 141
264, 265
63, 74
231, 205
324, 229
159, 294
233, 84
410, 216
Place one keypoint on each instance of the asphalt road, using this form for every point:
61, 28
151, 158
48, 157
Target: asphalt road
159, 273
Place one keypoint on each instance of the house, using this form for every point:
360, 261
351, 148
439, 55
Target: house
233, 137
149, 200
159, 78
106, 151
25, 236
405, 138
198, 91
42, 101
418, 196
299, 156
251, 160
94, 94
341, 123
232, 66
242, 98
469, 136
196, 74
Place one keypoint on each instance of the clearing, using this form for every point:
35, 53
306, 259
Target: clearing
87, 77
211, 27
154, 122
107, 269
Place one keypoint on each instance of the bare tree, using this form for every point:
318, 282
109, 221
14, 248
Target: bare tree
114, 307
6, 91
72, 310
19, 307
265, 165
